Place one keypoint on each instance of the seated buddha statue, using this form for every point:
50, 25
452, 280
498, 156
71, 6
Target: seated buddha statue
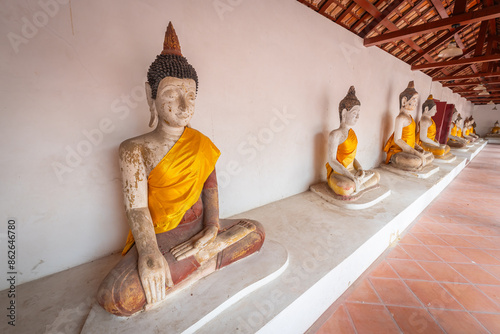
402, 150
455, 139
495, 131
426, 136
171, 198
468, 130
345, 175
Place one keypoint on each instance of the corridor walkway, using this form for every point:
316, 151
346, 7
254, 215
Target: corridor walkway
443, 276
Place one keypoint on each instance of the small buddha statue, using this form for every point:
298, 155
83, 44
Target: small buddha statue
427, 133
468, 130
345, 175
455, 139
402, 150
495, 130
171, 198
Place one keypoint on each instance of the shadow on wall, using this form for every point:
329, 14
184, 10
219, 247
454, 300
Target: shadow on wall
386, 124
320, 142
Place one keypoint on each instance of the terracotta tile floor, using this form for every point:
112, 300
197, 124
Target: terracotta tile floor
444, 274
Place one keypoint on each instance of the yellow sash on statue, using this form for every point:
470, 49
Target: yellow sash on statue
346, 152
408, 135
459, 133
431, 133
454, 130
175, 184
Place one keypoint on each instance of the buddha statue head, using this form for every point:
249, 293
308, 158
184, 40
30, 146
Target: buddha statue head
349, 108
172, 84
408, 99
429, 107
496, 124
459, 121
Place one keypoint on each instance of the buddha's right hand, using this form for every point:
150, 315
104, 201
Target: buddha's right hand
155, 275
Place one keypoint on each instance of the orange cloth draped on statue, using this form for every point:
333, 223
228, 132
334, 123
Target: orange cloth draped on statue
408, 135
431, 132
454, 130
346, 152
175, 184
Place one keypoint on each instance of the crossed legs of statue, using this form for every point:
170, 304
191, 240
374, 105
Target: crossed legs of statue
410, 162
435, 150
121, 292
344, 186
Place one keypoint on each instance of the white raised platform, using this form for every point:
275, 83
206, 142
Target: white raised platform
493, 140
425, 173
367, 199
470, 153
188, 310
328, 249
447, 158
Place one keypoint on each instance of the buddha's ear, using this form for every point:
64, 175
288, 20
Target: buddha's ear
344, 113
149, 95
404, 100
153, 121
426, 109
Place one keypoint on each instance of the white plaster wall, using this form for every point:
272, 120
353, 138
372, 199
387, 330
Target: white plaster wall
271, 70
485, 118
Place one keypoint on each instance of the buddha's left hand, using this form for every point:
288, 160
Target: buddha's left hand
195, 244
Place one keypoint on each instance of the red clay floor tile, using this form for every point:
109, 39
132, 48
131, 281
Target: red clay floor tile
457, 322
433, 295
490, 321
384, 270
471, 298
394, 292
493, 292
414, 320
339, 322
364, 293
409, 269
398, 253
430, 239
420, 252
442, 272
449, 254
371, 319
475, 274
479, 256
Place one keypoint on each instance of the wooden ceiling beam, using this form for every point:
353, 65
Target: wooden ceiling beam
322, 9
460, 6
370, 8
460, 84
389, 10
467, 76
487, 13
434, 45
464, 61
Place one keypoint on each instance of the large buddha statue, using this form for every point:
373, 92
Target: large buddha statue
427, 133
402, 150
455, 139
171, 198
345, 175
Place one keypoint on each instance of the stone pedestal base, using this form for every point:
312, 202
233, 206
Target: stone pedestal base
422, 174
189, 309
362, 200
493, 139
446, 158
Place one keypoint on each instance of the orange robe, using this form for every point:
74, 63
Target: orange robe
175, 184
431, 134
408, 135
454, 130
346, 152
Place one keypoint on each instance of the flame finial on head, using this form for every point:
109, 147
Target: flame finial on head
171, 45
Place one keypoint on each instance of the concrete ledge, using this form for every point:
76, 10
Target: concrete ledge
368, 197
471, 153
425, 173
328, 249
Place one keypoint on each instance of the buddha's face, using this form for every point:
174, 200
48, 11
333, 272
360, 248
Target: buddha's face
432, 112
496, 124
351, 116
411, 104
175, 101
